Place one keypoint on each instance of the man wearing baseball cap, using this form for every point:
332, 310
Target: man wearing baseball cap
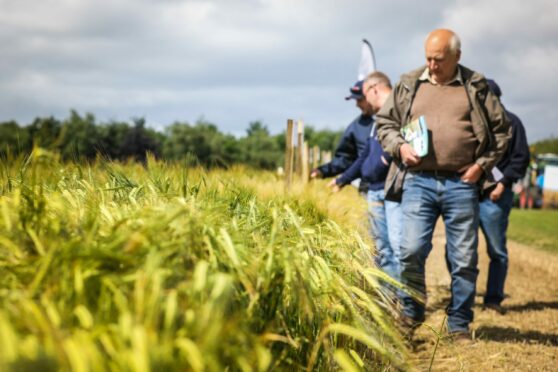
354, 139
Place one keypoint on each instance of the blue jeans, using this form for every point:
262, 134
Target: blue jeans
425, 198
385, 219
494, 217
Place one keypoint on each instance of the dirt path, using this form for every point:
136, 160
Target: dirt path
524, 339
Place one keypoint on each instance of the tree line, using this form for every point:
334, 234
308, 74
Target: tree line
549, 145
81, 137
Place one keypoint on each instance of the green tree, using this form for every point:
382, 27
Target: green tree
111, 139
259, 149
549, 145
203, 140
13, 138
79, 137
139, 140
325, 139
45, 132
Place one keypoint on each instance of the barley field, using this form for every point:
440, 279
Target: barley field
162, 267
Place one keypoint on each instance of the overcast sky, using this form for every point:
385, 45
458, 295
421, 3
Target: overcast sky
236, 61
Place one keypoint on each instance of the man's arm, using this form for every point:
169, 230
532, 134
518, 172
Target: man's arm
499, 128
345, 154
518, 161
353, 172
519, 153
388, 121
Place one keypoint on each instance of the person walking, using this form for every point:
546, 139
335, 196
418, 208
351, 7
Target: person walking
372, 167
468, 133
495, 208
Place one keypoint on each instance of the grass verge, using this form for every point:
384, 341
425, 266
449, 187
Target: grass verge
536, 228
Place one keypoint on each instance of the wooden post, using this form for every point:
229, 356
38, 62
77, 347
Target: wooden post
315, 157
326, 157
305, 163
299, 147
289, 153
296, 160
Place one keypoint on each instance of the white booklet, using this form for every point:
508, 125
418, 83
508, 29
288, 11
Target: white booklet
416, 134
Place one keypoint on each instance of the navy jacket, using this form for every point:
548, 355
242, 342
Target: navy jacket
350, 147
369, 166
514, 163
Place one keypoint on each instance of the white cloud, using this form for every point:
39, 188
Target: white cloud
516, 43
239, 60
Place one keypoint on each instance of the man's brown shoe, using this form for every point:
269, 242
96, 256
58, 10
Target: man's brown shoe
496, 307
407, 326
460, 337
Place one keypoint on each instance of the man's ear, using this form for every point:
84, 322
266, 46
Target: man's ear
458, 55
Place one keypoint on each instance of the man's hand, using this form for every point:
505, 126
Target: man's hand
333, 186
471, 173
315, 174
496, 194
408, 155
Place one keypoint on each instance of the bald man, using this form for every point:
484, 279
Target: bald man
468, 133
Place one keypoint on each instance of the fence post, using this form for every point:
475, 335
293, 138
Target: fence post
305, 163
325, 157
299, 147
289, 153
315, 157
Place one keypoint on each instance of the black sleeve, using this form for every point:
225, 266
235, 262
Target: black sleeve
345, 154
518, 154
353, 172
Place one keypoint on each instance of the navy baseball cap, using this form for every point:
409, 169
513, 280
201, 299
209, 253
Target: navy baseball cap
494, 87
356, 91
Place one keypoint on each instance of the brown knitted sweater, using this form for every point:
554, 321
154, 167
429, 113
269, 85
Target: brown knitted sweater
446, 110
